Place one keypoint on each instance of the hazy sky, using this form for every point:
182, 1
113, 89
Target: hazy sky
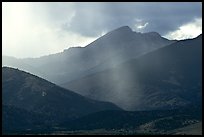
35, 29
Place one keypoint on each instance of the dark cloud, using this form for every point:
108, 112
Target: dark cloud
91, 19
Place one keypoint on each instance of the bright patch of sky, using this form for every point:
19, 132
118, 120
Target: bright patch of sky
187, 31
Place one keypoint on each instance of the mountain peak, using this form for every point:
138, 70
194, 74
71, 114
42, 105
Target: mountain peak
122, 29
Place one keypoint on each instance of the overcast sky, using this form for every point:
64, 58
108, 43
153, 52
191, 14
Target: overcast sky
37, 29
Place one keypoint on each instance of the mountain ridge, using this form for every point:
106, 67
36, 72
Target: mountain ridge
144, 76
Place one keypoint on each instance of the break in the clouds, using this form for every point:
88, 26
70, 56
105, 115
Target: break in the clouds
189, 30
36, 29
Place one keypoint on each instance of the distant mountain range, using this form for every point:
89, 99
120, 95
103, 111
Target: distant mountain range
107, 51
166, 78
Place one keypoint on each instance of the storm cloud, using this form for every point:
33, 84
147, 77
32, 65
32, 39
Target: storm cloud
91, 19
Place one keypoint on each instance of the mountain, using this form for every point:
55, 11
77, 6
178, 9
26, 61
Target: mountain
107, 51
34, 96
169, 77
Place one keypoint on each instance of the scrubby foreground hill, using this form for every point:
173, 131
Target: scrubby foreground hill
27, 96
169, 77
139, 122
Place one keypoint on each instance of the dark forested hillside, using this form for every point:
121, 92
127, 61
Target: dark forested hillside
26, 92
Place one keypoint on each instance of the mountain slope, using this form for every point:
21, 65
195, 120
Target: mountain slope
31, 93
16, 119
166, 78
107, 51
